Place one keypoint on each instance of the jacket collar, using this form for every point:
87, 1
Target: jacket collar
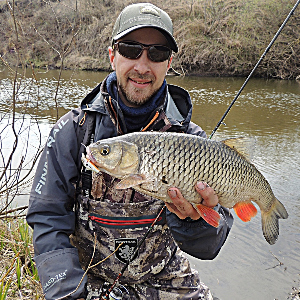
177, 107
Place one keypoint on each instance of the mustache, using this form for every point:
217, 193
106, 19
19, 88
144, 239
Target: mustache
141, 76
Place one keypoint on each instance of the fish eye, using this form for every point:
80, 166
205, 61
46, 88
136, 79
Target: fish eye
105, 150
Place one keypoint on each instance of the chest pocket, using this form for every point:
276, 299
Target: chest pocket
105, 224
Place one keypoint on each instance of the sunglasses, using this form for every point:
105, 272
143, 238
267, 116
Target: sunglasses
134, 50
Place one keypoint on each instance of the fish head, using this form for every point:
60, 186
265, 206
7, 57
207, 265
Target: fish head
115, 157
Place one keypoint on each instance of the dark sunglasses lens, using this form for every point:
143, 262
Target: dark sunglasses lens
131, 51
159, 53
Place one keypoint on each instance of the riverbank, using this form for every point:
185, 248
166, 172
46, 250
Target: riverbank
215, 38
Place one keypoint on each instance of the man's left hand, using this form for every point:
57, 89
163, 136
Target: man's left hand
183, 209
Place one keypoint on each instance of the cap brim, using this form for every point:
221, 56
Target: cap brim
171, 41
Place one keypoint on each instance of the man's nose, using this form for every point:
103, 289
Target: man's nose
142, 64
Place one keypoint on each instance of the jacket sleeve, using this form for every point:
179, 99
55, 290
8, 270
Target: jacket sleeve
198, 238
51, 214
196, 130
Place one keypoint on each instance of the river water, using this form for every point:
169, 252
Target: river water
268, 110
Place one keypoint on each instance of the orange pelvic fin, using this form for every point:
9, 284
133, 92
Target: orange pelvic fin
208, 214
245, 211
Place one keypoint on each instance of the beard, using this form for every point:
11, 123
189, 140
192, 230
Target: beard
135, 96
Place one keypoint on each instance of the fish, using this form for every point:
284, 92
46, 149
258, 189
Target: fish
152, 162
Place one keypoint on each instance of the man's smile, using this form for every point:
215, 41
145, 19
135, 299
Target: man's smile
140, 83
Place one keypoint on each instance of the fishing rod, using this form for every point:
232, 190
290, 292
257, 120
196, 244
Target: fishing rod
261, 58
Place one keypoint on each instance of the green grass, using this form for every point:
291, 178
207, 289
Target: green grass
18, 273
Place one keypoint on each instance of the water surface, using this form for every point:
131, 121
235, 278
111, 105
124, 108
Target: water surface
268, 110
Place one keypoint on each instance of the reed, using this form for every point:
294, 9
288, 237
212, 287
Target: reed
18, 274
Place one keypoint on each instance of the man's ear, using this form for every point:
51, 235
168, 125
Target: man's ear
111, 54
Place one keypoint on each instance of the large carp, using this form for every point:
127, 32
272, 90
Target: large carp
152, 162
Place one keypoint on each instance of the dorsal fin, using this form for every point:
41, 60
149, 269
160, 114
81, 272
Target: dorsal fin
243, 145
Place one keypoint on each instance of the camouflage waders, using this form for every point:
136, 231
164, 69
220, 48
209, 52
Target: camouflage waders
159, 271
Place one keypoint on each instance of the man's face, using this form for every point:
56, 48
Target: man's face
139, 79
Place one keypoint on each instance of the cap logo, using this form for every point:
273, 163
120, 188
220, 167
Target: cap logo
150, 10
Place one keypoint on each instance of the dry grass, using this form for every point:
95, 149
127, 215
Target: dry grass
215, 37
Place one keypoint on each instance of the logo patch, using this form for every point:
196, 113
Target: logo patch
126, 251
150, 10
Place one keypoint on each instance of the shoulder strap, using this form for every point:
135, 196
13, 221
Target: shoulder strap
85, 131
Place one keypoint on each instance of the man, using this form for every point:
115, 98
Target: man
67, 202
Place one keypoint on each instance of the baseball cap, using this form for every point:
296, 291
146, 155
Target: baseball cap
141, 15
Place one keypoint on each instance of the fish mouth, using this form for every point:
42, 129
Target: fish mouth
90, 156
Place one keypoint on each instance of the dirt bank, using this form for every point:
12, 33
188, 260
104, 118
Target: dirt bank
215, 38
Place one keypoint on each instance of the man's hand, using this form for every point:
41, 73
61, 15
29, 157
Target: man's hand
183, 209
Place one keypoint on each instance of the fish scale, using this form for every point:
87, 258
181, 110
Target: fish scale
152, 162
